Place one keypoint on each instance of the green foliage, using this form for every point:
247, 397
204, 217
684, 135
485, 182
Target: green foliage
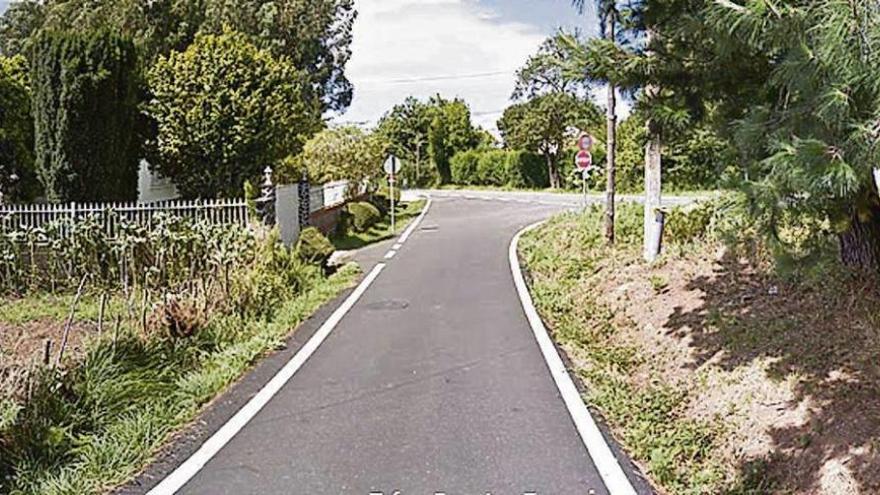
341, 153
698, 158
224, 110
540, 125
313, 247
17, 176
433, 131
363, 216
526, 170
464, 167
490, 167
314, 35
100, 420
85, 96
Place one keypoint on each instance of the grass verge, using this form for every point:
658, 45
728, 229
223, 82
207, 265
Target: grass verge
96, 424
718, 369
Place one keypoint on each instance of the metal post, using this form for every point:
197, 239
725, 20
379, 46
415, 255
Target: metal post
393, 213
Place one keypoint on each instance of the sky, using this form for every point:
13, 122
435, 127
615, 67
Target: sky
465, 48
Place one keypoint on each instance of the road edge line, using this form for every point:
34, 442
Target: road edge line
413, 226
600, 452
189, 468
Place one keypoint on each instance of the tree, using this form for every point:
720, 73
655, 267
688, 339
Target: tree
85, 111
405, 130
20, 21
540, 125
17, 176
813, 133
342, 153
224, 110
609, 17
436, 129
552, 99
315, 35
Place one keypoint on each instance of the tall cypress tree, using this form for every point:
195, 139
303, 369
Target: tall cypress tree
85, 91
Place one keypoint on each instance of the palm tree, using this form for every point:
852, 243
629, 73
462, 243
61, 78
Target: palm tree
609, 16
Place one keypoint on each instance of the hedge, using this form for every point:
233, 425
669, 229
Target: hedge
518, 169
363, 216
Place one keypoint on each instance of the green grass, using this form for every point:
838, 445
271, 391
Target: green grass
50, 307
381, 231
97, 424
565, 259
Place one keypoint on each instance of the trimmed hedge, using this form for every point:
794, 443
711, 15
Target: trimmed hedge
517, 169
313, 247
363, 216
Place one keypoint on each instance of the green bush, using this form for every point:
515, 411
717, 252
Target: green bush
85, 107
492, 168
363, 216
464, 167
313, 247
224, 110
16, 131
526, 170
381, 198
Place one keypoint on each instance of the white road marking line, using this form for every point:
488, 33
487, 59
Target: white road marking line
186, 471
397, 247
390, 254
409, 230
603, 458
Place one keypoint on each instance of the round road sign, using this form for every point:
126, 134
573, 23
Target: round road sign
583, 160
392, 165
585, 142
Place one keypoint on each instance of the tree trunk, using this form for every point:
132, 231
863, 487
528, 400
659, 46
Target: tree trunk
860, 246
611, 152
552, 171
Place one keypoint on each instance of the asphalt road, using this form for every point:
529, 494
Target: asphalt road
433, 383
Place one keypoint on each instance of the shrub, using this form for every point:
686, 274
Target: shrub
381, 198
526, 169
85, 107
492, 168
363, 216
224, 110
313, 247
464, 167
16, 131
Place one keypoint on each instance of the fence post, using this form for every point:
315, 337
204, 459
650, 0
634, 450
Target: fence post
305, 201
266, 201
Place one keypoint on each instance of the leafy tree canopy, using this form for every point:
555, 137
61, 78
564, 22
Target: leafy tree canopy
225, 110
341, 153
17, 176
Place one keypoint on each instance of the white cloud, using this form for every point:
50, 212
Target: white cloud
435, 42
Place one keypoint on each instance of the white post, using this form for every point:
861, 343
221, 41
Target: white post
393, 213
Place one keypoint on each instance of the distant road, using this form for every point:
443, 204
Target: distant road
540, 197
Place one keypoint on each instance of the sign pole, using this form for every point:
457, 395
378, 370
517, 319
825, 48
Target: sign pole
393, 213
584, 177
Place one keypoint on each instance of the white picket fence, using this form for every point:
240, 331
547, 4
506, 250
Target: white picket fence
27, 216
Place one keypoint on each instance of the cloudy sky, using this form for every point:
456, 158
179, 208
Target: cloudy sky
466, 48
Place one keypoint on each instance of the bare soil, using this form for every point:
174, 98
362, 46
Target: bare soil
791, 369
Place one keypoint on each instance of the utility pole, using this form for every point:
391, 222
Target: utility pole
653, 176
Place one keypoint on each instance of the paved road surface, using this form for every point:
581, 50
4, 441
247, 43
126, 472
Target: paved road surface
432, 383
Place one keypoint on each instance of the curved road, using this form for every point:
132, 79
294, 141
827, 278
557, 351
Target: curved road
432, 383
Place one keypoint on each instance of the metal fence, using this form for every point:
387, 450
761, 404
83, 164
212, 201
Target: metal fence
111, 215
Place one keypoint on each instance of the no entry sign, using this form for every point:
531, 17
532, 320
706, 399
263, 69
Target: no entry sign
583, 160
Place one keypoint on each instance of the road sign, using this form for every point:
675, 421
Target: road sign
583, 160
585, 142
392, 165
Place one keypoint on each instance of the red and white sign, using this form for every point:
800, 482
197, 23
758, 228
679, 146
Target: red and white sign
585, 142
583, 160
